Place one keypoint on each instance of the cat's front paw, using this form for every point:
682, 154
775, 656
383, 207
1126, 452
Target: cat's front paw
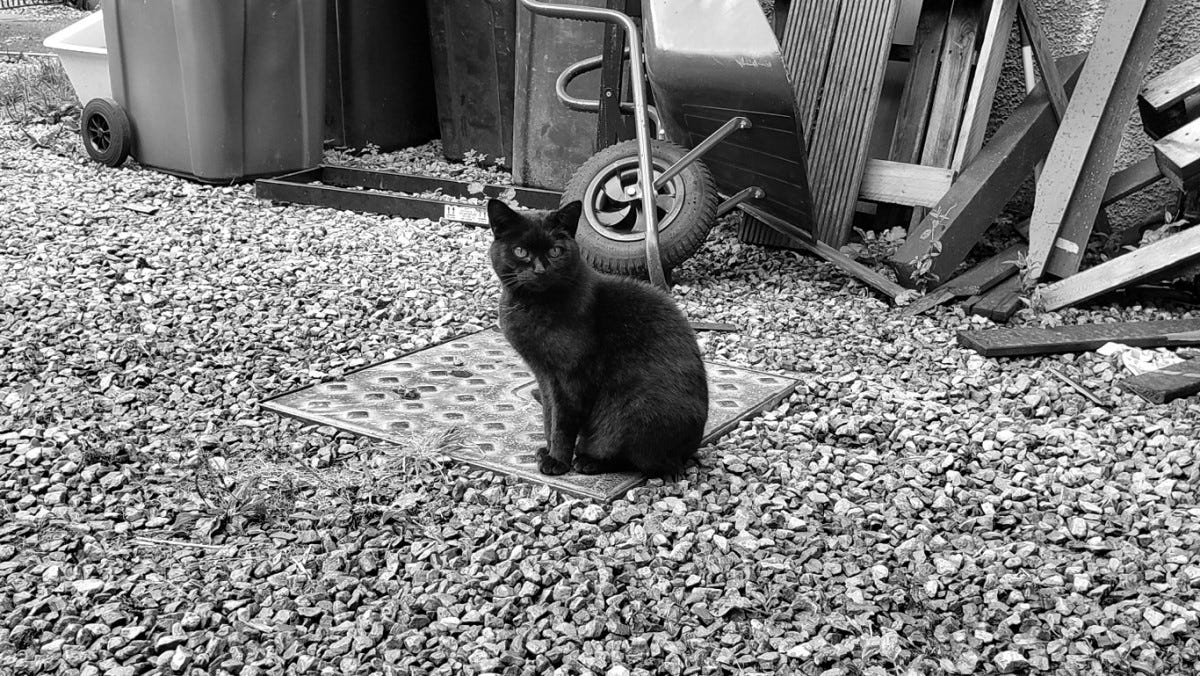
550, 465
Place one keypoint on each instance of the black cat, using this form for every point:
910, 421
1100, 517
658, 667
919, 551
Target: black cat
621, 380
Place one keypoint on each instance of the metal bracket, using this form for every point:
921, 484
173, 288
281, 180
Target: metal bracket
752, 192
733, 124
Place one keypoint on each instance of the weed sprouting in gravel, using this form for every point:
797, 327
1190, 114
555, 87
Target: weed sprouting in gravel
36, 90
385, 479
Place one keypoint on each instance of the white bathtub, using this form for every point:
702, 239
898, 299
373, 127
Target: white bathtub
84, 55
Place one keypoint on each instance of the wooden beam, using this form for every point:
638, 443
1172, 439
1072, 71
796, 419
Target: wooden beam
1131, 179
976, 281
999, 303
1163, 101
1072, 183
899, 183
1142, 264
954, 226
1178, 155
1167, 383
983, 82
1028, 340
1031, 26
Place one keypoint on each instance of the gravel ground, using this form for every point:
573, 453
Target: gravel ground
913, 508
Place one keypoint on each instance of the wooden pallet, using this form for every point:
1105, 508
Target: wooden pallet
1164, 101
836, 52
1178, 155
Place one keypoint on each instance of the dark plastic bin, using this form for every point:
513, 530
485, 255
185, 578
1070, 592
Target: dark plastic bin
550, 141
222, 90
380, 74
472, 44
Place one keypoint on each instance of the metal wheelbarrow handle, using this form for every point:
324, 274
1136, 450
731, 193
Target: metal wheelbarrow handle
587, 65
638, 74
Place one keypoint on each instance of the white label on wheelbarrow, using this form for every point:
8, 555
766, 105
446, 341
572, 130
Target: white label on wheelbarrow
466, 214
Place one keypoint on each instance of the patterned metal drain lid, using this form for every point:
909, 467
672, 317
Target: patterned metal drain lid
478, 384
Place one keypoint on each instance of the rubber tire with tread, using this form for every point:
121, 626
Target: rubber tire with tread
120, 132
679, 237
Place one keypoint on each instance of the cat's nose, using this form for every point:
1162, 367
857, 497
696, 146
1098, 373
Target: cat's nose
538, 266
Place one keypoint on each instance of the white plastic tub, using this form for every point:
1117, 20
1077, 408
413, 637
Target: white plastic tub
84, 54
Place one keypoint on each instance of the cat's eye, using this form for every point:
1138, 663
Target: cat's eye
520, 252
556, 251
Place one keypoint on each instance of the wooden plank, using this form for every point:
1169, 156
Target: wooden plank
1168, 383
912, 116
978, 280
1072, 184
808, 34
822, 250
980, 193
836, 55
999, 303
1030, 340
1178, 155
842, 130
983, 83
1131, 179
899, 183
938, 296
1031, 27
863, 273
990, 273
1142, 264
954, 77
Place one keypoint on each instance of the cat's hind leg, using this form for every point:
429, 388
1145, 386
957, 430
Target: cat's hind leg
598, 450
588, 463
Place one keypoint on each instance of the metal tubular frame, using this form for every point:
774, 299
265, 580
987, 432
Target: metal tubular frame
593, 105
638, 73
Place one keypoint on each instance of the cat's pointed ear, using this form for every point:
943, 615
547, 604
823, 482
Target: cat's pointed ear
502, 218
568, 215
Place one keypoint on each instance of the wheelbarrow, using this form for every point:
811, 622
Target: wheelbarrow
720, 92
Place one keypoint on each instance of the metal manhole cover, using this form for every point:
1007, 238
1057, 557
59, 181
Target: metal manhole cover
478, 384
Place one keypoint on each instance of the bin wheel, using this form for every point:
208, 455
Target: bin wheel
612, 230
107, 135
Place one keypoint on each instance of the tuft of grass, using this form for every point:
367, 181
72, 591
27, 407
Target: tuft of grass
36, 90
387, 481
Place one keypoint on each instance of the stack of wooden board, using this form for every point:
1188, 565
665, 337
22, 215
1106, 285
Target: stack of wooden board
1077, 138
938, 178
836, 52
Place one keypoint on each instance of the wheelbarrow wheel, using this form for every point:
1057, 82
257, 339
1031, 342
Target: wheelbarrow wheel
107, 135
612, 228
